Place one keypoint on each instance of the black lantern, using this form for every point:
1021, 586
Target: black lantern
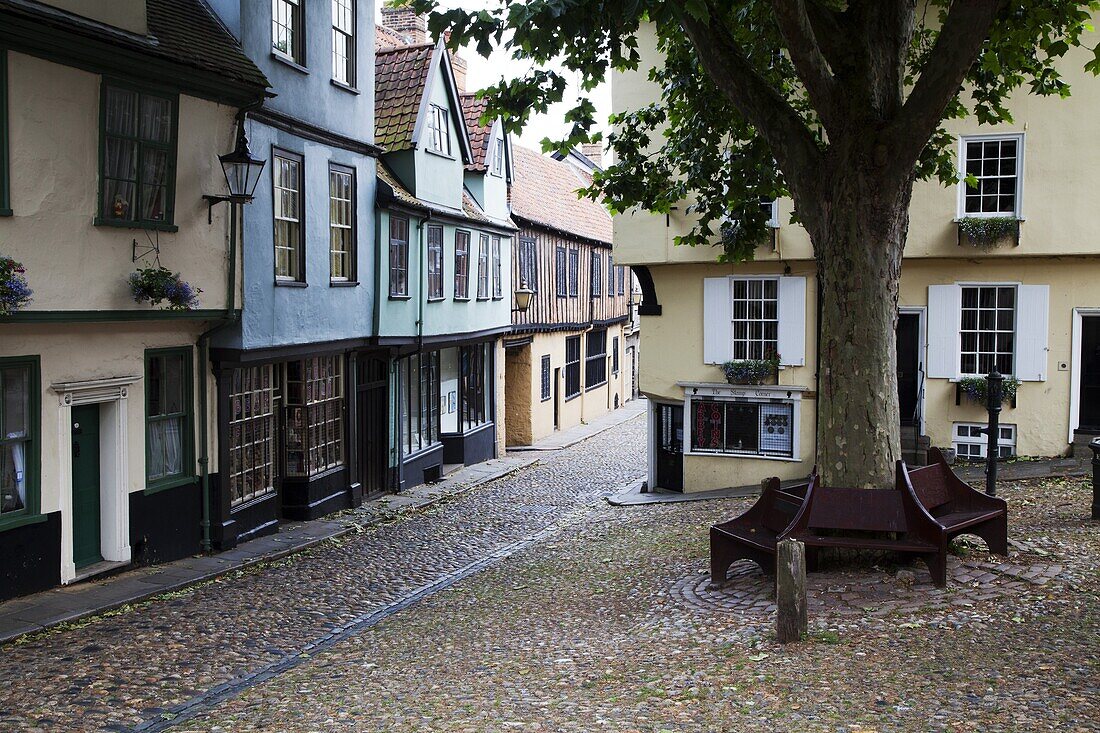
523, 297
242, 172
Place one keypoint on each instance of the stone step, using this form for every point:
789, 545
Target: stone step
1081, 442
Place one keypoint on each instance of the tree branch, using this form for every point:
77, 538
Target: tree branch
813, 69
791, 142
964, 31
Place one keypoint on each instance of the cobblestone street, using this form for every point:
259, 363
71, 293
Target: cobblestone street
538, 607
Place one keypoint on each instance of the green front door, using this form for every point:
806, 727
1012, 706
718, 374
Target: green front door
86, 485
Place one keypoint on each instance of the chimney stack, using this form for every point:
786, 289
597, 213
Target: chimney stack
407, 23
594, 152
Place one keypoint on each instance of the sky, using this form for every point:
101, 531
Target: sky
482, 72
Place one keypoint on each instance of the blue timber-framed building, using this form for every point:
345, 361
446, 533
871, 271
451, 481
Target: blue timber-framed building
301, 383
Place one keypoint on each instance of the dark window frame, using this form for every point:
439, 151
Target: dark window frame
614, 355
475, 376
353, 242
574, 271
528, 265
30, 513
497, 254
595, 361
434, 269
351, 60
483, 260
5, 138
723, 430
572, 367
595, 275
420, 372
300, 160
544, 377
462, 265
398, 250
561, 272
187, 459
170, 148
296, 53
315, 414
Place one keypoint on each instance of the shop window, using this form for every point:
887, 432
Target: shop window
419, 377
314, 415
752, 428
476, 379
253, 398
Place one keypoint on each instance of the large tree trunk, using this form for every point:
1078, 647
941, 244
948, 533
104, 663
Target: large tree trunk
858, 231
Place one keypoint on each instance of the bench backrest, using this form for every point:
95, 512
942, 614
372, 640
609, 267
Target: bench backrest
930, 485
873, 510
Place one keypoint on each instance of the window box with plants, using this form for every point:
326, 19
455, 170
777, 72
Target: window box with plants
751, 371
989, 232
975, 389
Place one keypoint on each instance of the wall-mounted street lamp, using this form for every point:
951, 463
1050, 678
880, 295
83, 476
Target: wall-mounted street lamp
242, 173
523, 297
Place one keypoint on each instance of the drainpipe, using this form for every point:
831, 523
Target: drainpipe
230, 317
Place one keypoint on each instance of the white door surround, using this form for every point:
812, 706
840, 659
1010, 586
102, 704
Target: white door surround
1075, 368
114, 475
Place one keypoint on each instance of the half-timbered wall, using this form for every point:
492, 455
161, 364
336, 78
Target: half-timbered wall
548, 311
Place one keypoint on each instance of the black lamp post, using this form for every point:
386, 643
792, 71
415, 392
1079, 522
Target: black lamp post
1094, 446
242, 173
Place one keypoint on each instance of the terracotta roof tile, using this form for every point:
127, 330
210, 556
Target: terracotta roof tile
400, 76
386, 38
472, 110
470, 209
544, 193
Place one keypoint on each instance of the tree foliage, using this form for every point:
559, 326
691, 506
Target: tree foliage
758, 96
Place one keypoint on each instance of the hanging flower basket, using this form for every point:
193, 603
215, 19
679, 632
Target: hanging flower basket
976, 388
751, 371
987, 232
14, 293
160, 285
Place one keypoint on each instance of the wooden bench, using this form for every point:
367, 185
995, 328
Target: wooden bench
957, 507
752, 535
871, 519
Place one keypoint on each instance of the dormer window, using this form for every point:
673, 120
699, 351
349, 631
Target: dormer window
498, 156
439, 132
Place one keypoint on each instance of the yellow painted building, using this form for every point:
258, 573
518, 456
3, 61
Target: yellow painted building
1030, 305
111, 125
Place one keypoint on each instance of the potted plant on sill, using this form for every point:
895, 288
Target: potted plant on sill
975, 389
751, 371
988, 232
14, 292
157, 285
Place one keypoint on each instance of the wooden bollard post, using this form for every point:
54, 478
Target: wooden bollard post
790, 591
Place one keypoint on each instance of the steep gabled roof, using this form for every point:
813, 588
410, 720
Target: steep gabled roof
472, 110
391, 190
544, 193
403, 81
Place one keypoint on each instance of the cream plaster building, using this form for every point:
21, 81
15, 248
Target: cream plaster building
112, 118
1030, 305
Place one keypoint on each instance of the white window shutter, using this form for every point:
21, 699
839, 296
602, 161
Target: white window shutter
944, 316
717, 320
792, 321
1032, 330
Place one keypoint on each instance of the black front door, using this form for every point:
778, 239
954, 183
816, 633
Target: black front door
669, 445
557, 399
370, 410
908, 342
1090, 373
